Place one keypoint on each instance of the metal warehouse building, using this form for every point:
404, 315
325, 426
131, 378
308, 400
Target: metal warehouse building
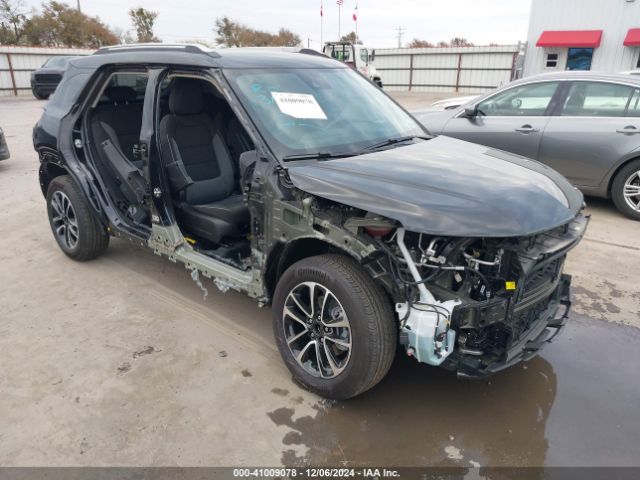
602, 35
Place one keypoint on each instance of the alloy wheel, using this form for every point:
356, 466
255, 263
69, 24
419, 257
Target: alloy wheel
317, 330
64, 220
631, 191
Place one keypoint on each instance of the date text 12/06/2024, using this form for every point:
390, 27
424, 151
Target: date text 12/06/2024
371, 473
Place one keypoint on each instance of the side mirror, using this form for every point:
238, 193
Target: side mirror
373, 55
471, 112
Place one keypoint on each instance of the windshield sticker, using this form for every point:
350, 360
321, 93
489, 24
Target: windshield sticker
299, 105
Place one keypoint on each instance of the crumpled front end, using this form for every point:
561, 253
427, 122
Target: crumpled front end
479, 305
518, 339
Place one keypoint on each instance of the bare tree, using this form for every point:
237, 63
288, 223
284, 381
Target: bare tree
417, 43
234, 34
351, 38
12, 20
460, 42
143, 21
286, 38
228, 32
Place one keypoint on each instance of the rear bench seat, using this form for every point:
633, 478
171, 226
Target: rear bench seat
122, 120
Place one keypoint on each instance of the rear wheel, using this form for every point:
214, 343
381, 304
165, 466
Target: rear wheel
76, 229
625, 190
334, 327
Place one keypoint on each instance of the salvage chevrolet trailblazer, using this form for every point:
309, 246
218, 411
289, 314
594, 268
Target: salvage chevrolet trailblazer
291, 177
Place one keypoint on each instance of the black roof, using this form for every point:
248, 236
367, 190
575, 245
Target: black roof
195, 56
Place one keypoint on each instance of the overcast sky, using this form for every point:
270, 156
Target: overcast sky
480, 21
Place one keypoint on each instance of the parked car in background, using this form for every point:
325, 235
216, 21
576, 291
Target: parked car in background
4, 148
292, 178
585, 125
453, 102
45, 80
357, 57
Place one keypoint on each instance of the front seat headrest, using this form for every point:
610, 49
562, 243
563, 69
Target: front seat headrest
186, 96
121, 94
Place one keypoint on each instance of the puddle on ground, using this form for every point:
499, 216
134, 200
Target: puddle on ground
578, 404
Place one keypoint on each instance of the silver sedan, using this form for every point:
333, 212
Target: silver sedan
585, 125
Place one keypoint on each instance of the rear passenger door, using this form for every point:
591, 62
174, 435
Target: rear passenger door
161, 207
591, 131
511, 120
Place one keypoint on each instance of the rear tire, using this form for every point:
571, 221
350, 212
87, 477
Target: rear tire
353, 331
627, 180
78, 232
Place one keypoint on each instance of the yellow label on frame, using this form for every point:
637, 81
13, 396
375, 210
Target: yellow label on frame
510, 285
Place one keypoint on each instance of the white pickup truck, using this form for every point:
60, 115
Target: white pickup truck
356, 56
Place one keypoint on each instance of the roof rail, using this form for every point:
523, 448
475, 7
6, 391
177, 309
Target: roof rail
311, 51
156, 47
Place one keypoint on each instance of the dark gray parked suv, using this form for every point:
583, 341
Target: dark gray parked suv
45, 80
292, 178
585, 125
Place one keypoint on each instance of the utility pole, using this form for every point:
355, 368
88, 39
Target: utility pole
79, 7
399, 35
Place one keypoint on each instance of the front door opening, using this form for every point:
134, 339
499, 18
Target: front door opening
201, 141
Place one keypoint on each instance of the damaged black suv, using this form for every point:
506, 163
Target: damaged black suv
291, 177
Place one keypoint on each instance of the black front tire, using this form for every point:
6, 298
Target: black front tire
628, 172
373, 329
90, 238
40, 96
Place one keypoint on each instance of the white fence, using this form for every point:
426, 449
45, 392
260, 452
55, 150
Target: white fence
461, 69
17, 63
444, 69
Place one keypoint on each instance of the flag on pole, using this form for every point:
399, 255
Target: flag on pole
321, 20
355, 13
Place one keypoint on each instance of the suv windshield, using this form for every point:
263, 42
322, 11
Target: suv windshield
320, 111
57, 62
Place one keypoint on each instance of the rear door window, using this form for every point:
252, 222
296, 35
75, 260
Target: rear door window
129, 80
521, 101
597, 99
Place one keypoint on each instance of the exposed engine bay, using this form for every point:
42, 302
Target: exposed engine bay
478, 305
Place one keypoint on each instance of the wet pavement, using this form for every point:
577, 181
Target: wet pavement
576, 405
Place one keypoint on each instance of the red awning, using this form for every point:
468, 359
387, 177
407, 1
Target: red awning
633, 38
570, 38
